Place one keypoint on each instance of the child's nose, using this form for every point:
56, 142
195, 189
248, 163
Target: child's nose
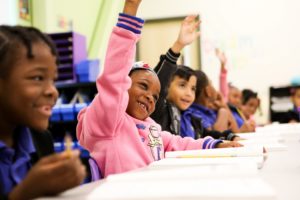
51, 91
149, 97
190, 93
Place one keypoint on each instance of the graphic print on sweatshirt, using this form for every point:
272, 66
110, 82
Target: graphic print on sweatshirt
155, 143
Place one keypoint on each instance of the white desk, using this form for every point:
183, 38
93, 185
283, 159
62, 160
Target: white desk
281, 170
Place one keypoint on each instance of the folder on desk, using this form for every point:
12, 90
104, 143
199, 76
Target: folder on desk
178, 162
251, 151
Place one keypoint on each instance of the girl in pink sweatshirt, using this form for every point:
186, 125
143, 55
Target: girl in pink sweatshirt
116, 127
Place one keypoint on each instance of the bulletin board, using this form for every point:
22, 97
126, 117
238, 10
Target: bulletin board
158, 36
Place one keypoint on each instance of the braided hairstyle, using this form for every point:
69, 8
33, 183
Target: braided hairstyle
13, 38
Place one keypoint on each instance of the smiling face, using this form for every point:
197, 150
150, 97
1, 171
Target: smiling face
28, 93
143, 94
182, 92
249, 108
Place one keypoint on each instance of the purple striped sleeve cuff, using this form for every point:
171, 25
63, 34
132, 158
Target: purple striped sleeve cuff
210, 143
131, 23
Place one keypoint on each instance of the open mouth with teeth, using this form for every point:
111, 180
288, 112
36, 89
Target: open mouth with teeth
144, 107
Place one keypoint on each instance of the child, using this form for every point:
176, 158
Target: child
232, 95
250, 103
293, 116
178, 82
27, 94
178, 88
116, 127
211, 108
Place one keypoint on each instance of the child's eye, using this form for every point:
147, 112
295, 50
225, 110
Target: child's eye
155, 97
194, 89
182, 85
144, 86
37, 78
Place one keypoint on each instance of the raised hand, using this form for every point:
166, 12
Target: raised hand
219, 102
131, 7
222, 58
187, 34
51, 175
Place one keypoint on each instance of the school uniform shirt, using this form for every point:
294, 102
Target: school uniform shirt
16, 162
117, 141
191, 126
207, 115
238, 118
290, 115
166, 113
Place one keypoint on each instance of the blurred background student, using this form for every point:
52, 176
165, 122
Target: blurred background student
232, 95
293, 115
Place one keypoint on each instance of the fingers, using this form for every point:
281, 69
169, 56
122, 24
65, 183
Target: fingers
236, 144
190, 18
71, 165
58, 157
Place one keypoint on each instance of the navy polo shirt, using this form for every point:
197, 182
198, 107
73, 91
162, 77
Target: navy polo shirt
238, 118
15, 162
208, 116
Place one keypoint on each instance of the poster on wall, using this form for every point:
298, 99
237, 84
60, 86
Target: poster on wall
24, 9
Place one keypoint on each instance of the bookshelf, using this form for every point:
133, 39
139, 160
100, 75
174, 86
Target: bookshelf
280, 101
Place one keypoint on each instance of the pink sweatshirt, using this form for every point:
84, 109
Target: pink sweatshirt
224, 89
117, 141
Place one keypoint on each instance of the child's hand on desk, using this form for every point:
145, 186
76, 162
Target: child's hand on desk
248, 126
51, 175
237, 138
228, 144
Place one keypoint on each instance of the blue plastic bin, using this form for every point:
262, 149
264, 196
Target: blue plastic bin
78, 107
67, 112
88, 70
56, 116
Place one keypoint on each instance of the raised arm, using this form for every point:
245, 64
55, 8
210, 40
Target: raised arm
131, 7
102, 116
167, 64
187, 34
223, 74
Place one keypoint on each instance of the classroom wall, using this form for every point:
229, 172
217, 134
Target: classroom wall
91, 18
259, 37
8, 12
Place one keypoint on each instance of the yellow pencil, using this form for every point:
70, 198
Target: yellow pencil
206, 156
241, 114
68, 145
